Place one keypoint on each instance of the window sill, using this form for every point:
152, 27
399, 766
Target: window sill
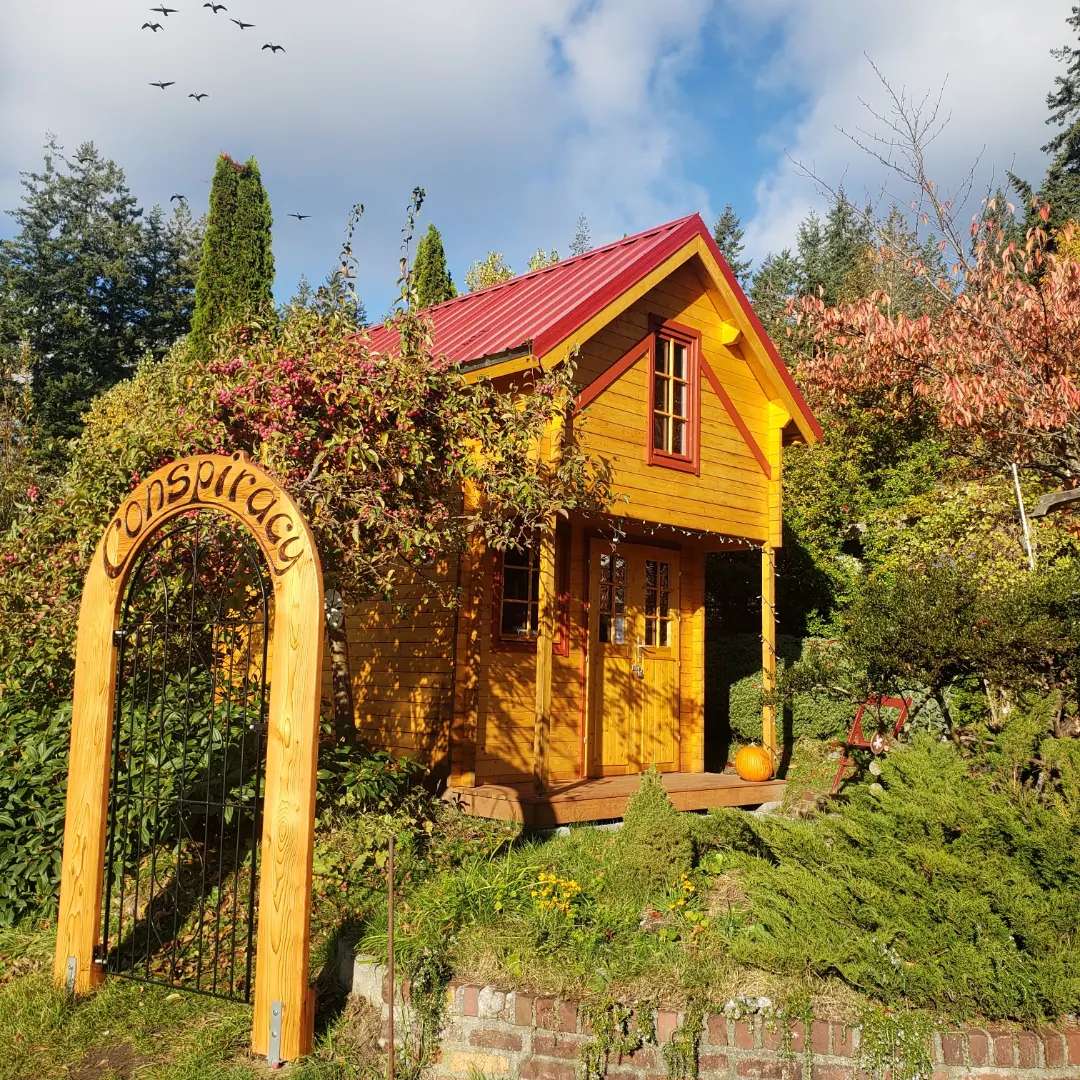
679, 464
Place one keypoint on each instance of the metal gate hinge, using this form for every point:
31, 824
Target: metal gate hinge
118, 637
273, 1049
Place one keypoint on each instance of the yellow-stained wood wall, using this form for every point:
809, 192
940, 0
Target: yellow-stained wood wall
731, 494
401, 658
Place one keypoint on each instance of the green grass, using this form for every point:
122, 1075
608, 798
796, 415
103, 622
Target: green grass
128, 1029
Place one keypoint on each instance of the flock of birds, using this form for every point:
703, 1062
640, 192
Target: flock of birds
198, 95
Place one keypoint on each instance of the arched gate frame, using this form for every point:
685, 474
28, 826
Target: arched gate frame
283, 1001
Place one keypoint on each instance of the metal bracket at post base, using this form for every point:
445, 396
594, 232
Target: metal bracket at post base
273, 1046
69, 975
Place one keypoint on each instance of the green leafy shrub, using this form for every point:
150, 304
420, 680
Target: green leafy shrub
355, 778
33, 778
941, 633
734, 692
946, 889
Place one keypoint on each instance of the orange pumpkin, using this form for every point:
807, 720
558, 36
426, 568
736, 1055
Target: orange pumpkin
754, 763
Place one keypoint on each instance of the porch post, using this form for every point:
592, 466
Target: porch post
777, 418
768, 647
544, 642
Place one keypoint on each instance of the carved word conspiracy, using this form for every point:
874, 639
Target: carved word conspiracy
231, 483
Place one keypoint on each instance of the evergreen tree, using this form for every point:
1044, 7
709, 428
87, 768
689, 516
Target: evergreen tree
488, 271
169, 266
728, 234
1061, 185
810, 248
829, 251
236, 272
582, 241
776, 281
848, 234
87, 284
431, 276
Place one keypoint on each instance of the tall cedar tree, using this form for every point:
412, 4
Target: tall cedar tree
236, 272
89, 285
431, 276
728, 234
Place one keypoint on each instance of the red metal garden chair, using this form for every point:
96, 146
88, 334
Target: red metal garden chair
877, 743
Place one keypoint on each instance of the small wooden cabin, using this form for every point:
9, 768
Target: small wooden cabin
684, 395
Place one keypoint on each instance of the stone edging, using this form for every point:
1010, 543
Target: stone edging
500, 1033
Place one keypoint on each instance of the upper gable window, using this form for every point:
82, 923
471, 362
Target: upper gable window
674, 396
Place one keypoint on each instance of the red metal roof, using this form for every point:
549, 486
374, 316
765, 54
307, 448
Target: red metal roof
534, 312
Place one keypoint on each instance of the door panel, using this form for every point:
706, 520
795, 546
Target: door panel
633, 658
660, 659
613, 690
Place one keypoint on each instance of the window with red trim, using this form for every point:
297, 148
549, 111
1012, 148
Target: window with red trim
674, 394
519, 604
516, 596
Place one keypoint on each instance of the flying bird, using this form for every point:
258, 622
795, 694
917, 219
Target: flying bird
199, 96
273, 48
164, 84
155, 26
242, 25
177, 198
165, 10
300, 217
215, 8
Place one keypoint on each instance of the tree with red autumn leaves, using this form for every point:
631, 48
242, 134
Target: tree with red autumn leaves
996, 358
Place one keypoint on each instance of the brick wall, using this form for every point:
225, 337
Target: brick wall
499, 1033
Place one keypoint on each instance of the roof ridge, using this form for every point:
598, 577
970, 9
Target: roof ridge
561, 264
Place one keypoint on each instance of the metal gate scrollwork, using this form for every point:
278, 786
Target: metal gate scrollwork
186, 786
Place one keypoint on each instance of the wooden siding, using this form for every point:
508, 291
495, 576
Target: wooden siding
731, 493
401, 658
506, 698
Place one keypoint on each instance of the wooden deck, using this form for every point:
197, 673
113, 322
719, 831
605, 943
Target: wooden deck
605, 799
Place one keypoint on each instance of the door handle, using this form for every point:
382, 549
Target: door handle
638, 668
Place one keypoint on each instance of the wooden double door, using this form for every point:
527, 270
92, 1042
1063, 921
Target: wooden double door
633, 658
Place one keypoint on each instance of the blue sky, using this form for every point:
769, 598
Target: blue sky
517, 116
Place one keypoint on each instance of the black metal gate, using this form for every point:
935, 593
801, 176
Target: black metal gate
181, 857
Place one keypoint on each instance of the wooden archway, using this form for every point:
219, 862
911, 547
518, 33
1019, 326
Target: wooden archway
283, 1002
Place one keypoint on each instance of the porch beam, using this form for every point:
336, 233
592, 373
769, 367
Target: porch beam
778, 416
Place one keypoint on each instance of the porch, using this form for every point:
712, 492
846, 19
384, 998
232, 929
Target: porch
605, 798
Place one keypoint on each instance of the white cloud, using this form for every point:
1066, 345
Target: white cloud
994, 53
514, 116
